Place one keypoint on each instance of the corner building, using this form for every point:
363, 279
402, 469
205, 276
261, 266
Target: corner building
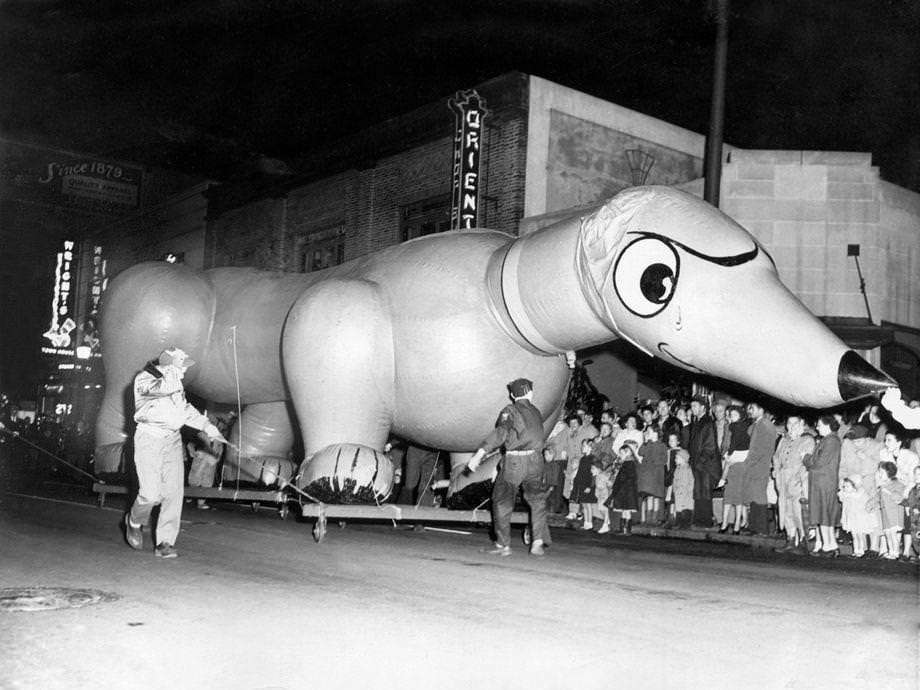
549, 152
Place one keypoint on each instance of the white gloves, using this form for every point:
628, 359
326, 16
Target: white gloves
476, 460
892, 398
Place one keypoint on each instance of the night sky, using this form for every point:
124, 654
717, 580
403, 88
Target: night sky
207, 85
212, 86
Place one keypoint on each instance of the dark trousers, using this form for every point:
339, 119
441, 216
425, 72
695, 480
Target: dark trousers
526, 472
702, 497
420, 469
757, 518
555, 477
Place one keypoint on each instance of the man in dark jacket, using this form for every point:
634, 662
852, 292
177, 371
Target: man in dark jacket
705, 460
519, 429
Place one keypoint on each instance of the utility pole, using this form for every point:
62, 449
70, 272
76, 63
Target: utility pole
719, 12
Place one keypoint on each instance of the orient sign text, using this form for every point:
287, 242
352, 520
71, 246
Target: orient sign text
469, 113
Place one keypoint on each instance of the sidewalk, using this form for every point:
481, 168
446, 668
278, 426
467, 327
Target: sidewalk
758, 546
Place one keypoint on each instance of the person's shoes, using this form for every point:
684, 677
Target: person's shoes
831, 553
165, 550
724, 530
605, 528
133, 535
498, 550
537, 548
202, 505
890, 557
570, 516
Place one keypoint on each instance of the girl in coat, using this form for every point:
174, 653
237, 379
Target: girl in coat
603, 481
673, 443
682, 488
624, 495
653, 458
583, 484
887, 502
856, 520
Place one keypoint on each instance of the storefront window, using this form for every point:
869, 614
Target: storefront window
321, 249
425, 217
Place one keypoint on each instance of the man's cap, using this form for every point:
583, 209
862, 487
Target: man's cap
520, 387
175, 356
857, 431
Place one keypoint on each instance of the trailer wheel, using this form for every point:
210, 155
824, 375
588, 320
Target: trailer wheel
319, 529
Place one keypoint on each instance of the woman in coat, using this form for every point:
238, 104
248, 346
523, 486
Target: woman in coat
823, 466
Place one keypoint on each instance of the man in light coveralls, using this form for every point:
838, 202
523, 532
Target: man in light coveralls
161, 410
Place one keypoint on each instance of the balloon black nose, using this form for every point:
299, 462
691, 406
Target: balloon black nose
856, 378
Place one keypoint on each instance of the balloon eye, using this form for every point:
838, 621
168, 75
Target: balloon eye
657, 283
645, 276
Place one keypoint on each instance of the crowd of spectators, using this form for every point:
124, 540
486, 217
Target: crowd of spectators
43, 437
817, 480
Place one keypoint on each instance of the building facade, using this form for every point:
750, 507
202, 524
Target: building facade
545, 152
550, 152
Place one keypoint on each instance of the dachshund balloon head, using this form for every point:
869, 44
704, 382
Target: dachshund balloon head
684, 282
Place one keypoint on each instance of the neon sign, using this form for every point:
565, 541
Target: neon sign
62, 323
469, 113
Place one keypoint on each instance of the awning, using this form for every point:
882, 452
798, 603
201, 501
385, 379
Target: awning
858, 332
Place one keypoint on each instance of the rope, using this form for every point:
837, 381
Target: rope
422, 493
13, 434
239, 408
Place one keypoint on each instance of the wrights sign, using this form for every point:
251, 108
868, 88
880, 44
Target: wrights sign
62, 323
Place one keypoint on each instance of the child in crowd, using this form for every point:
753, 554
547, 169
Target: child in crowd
624, 494
553, 477
602, 484
856, 520
653, 459
673, 447
603, 446
682, 490
912, 533
887, 504
583, 484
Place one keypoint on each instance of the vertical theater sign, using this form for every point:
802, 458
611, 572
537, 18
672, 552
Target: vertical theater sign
469, 113
62, 308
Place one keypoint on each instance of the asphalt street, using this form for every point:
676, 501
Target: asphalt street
253, 602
